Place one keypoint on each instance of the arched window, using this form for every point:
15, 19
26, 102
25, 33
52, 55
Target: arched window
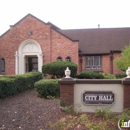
68, 58
2, 65
59, 58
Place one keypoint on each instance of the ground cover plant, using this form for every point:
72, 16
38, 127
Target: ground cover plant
102, 119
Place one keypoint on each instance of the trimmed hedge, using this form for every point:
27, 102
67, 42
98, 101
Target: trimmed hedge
10, 85
57, 69
89, 75
47, 88
122, 75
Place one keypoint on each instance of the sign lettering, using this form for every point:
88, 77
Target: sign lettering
97, 97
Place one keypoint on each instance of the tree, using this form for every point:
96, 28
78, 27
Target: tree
123, 62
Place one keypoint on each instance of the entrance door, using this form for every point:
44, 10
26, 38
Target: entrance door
32, 64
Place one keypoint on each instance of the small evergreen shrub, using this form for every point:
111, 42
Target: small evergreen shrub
89, 75
47, 88
57, 69
121, 75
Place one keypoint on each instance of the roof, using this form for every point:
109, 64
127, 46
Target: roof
93, 41
100, 40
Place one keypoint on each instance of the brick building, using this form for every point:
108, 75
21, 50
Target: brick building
30, 43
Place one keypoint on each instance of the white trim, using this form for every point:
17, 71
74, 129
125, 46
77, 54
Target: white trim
16, 62
33, 49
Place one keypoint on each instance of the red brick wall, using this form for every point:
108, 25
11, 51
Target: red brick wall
52, 43
106, 64
67, 93
62, 46
126, 96
83, 64
126, 83
115, 70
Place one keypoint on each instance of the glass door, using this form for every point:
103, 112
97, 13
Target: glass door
32, 64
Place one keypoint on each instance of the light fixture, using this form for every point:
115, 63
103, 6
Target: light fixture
29, 33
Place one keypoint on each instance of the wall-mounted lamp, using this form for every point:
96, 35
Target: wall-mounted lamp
29, 33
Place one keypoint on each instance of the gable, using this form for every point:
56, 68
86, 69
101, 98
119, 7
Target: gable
29, 18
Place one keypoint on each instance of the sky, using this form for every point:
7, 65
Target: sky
67, 14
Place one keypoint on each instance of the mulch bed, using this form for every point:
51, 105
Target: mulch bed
26, 111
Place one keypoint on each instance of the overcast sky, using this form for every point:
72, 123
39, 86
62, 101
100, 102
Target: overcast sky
67, 14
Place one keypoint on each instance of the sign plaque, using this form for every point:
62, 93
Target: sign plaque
97, 97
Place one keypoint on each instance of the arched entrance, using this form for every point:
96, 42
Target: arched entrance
29, 57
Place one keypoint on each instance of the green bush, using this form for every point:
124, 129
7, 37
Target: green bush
89, 75
108, 76
7, 87
104, 112
10, 85
47, 88
57, 69
119, 76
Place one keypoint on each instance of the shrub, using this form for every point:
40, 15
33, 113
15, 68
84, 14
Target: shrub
7, 87
108, 76
104, 112
47, 88
119, 76
10, 85
89, 75
125, 114
57, 69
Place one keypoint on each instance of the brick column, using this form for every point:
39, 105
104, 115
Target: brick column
126, 83
67, 90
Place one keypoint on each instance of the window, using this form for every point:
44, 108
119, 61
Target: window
68, 58
93, 62
59, 58
2, 65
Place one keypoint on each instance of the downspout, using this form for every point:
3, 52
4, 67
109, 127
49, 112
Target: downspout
50, 44
111, 61
80, 60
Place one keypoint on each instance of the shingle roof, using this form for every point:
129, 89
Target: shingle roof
100, 40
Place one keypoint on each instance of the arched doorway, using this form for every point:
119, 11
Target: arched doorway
29, 57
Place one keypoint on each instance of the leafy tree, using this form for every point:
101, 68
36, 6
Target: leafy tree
123, 62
